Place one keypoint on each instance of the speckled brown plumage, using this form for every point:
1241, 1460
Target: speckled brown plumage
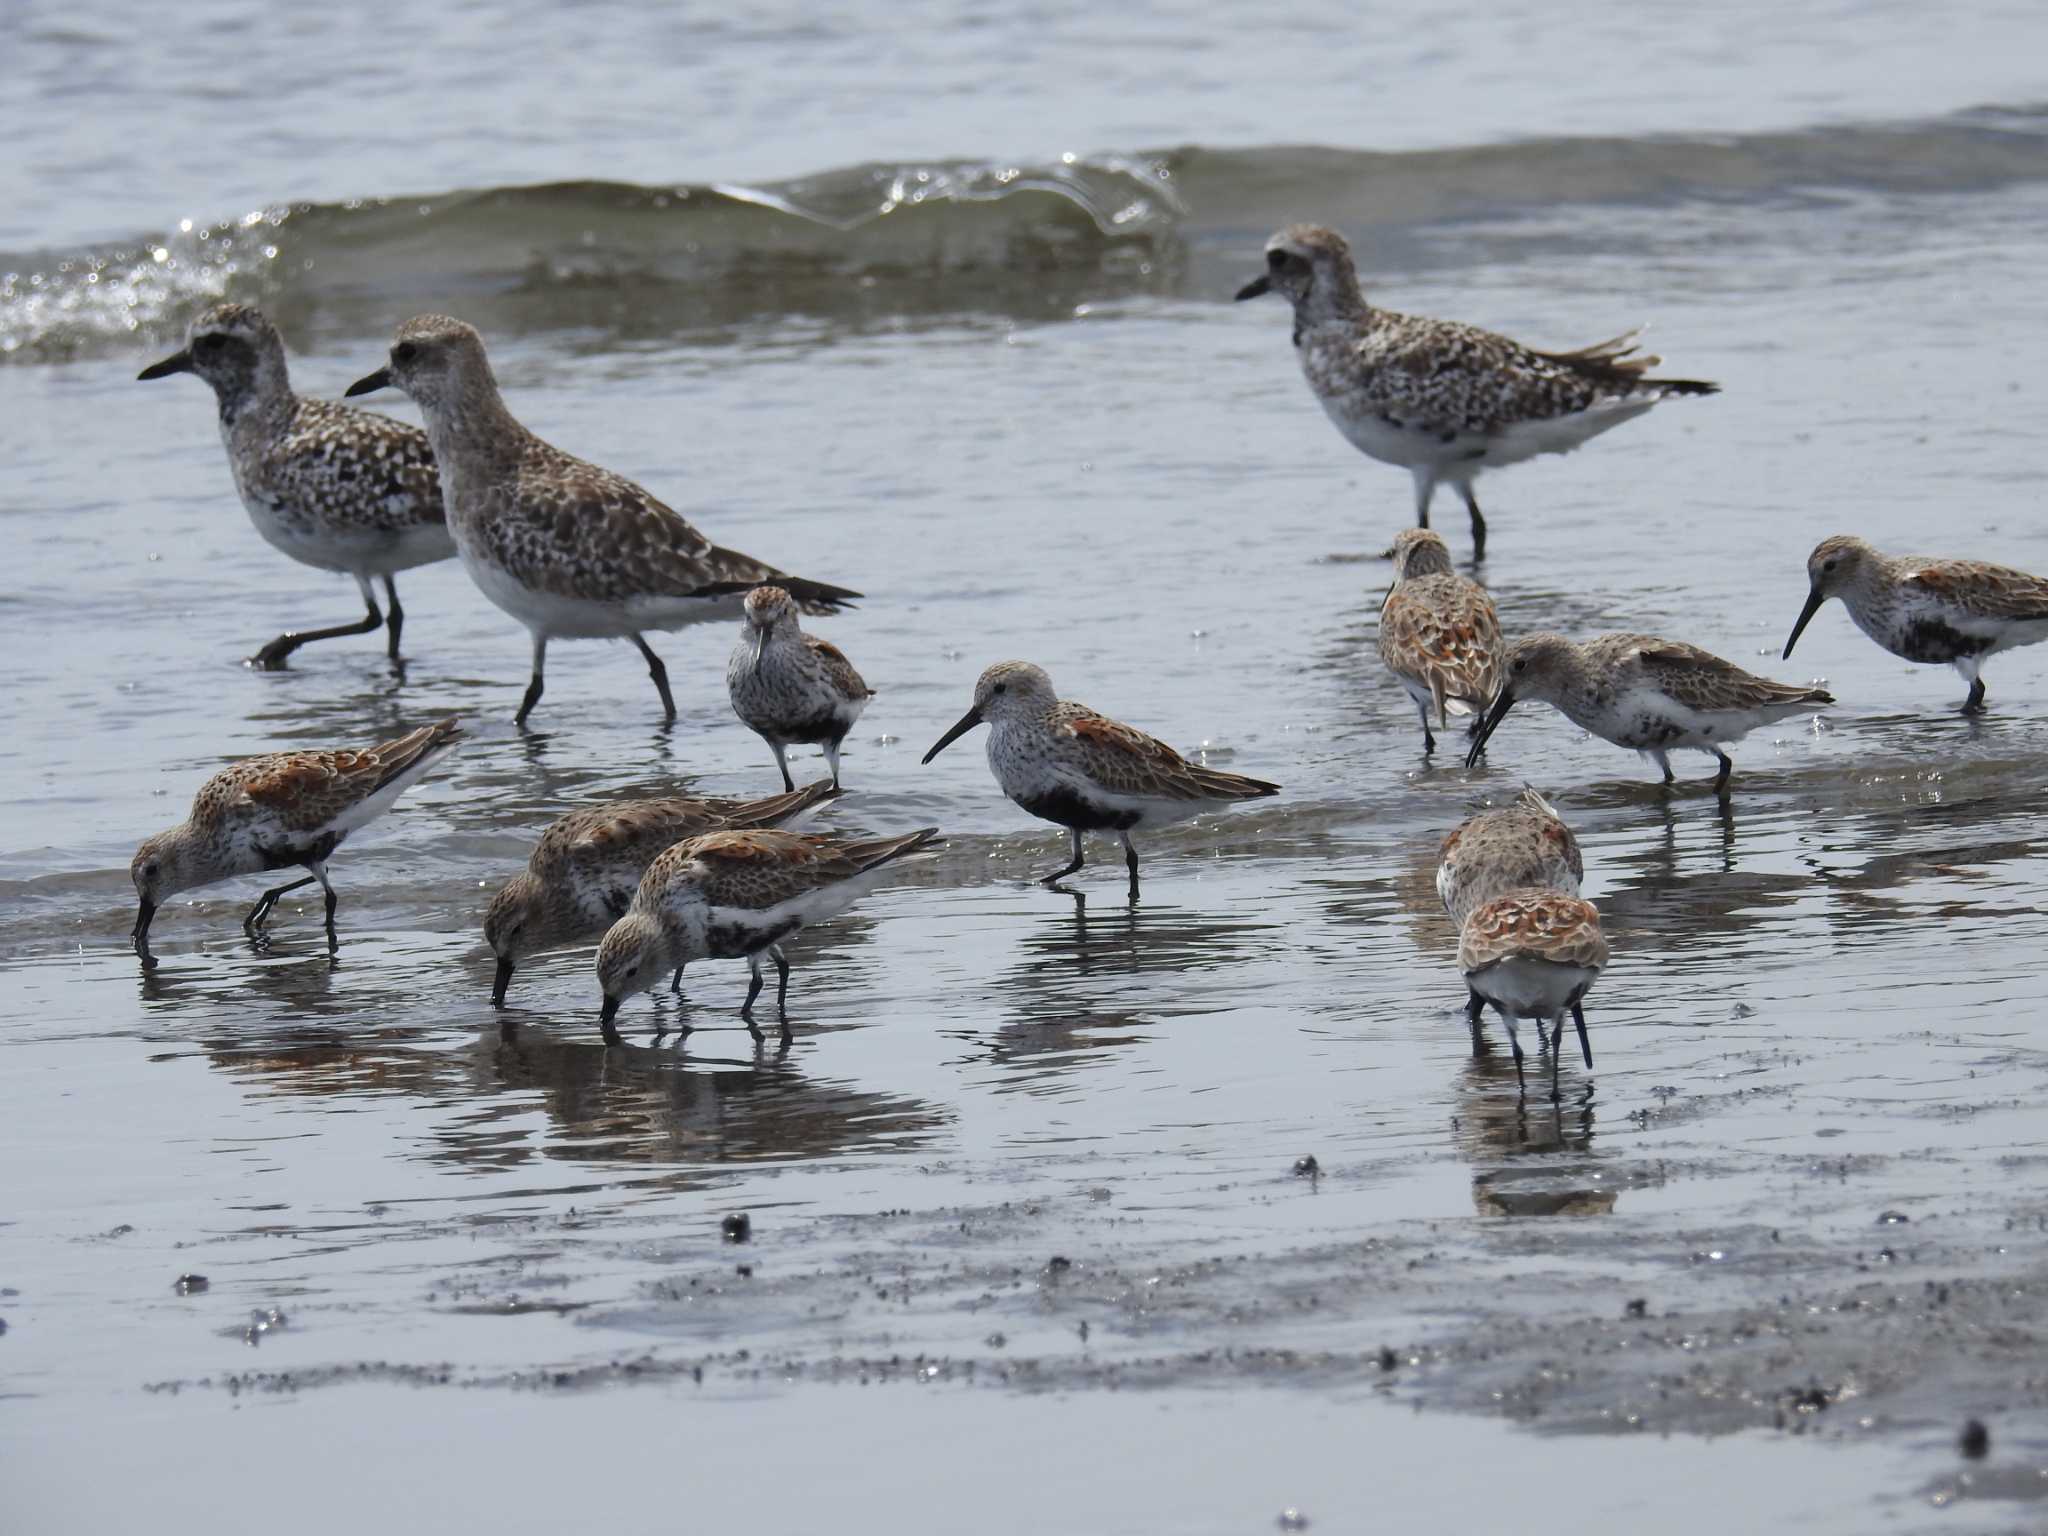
1515, 847
1439, 634
1551, 926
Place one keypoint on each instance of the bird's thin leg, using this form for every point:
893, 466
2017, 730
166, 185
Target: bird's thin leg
394, 616
1663, 760
753, 991
1585, 1045
320, 873
273, 655
1428, 740
1721, 778
1130, 860
1514, 1045
1557, 1040
258, 914
1425, 493
782, 762
675, 984
1059, 875
659, 673
831, 761
1478, 522
1475, 1010
781, 987
535, 688
1974, 704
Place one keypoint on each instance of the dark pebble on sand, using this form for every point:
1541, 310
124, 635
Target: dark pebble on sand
1388, 1359
737, 1228
1892, 1218
1976, 1440
191, 1285
1307, 1167
1639, 1307
1292, 1520
1058, 1264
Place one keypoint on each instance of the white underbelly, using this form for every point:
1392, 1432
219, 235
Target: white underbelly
565, 617
1531, 988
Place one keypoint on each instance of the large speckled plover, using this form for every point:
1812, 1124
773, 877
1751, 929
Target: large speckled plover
333, 487
1440, 399
584, 870
1439, 634
283, 810
1517, 847
790, 688
1533, 954
1650, 695
566, 548
737, 896
1066, 764
1957, 612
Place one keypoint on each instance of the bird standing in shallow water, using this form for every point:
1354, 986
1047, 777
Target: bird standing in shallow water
790, 688
1440, 399
1533, 954
565, 547
1521, 846
737, 896
1066, 764
1439, 634
1957, 612
333, 487
279, 811
1651, 695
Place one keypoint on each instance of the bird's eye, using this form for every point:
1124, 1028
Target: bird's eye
404, 352
208, 345
633, 970
1275, 260
1522, 664
1827, 565
1000, 688
150, 870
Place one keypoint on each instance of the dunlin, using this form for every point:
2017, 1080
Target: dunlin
790, 688
1066, 764
284, 810
1957, 612
1533, 954
335, 488
584, 870
1517, 847
1440, 399
1439, 635
1647, 694
565, 547
737, 896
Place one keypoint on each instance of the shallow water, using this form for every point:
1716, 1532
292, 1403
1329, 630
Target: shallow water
1027, 422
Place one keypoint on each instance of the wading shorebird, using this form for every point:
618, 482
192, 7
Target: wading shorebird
284, 810
584, 870
1440, 399
566, 548
1518, 847
1652, 696
1068, 765
1953, 612
1439, 635
789, 688
1533, 954
737, 896
333, 487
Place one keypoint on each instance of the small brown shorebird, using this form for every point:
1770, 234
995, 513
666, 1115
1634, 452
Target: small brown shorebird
584, 870
1443, 400
1533, 954
1439, 635
284, 810
1066, 764
1954, 612
1521, 846
790, 688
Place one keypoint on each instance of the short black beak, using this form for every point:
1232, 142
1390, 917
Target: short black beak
966, 723
500, 982
1494, 716
140, 937
1258, 285
1813, 601
177, 362
381, 379
605, 1016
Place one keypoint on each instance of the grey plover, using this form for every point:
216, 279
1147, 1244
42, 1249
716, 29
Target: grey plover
1066, 764
737, 896
1533, 954
1439, 635
584, 870
1440, 399
1653, 696
1953, 612
333, 487
790, 688
1517, 847
568, 549
283, 810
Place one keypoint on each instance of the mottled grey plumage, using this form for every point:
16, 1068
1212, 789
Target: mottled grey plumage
1518, 846
333, 487
569, 549
1441, 399
791, 688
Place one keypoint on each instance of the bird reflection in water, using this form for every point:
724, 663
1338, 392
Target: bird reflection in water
1530, 1158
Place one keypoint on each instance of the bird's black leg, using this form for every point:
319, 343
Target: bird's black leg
1425, 493
782, 762
781, 987
754, 986
1514, 1045
261, 911
1475, 1009
273, 655
1478, 523
394, 616
1663, 761
1585, 1045
535, 688
1058, 875
1131, 863
831, 761
1556, 1041
1974, 704
1428, 740
333, 939
1721, 778
675, 984
659, 673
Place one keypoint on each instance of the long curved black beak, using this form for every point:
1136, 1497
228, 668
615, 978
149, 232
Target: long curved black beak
1813, 601
381, 379
177, 362
500, 982
1258, 285
1494, 716
140, 937
966, 723
605, 1016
